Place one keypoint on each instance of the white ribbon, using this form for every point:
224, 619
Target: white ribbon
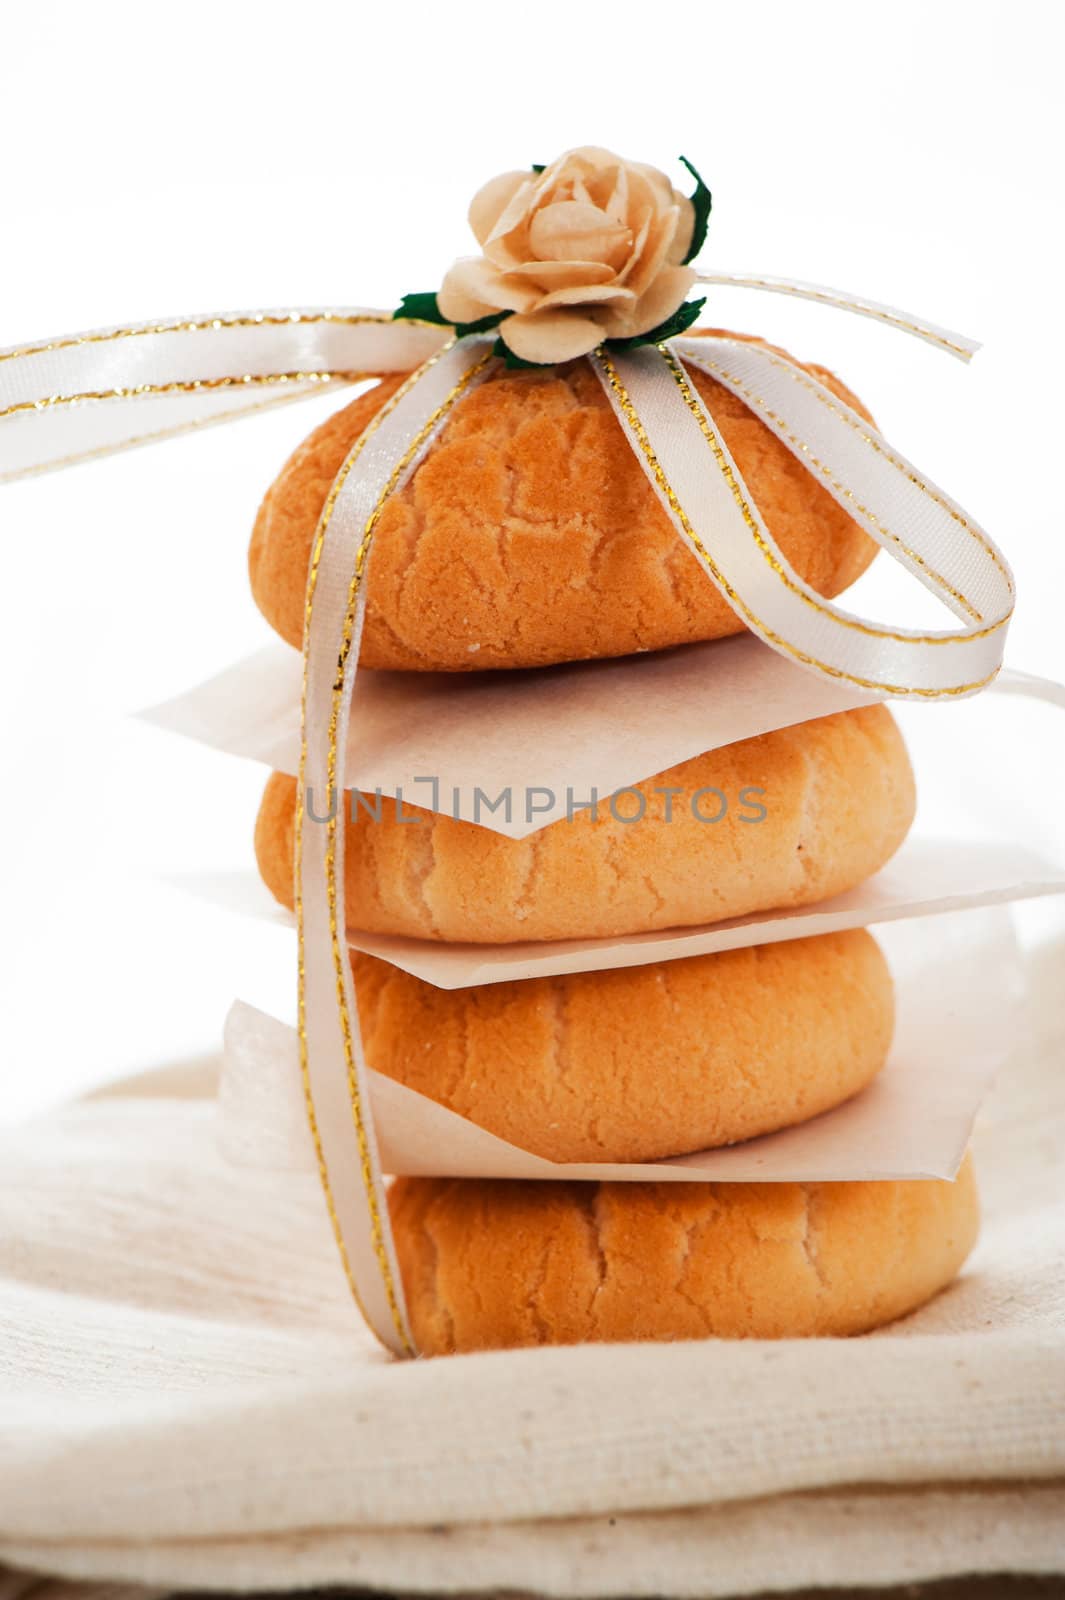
955, 344
332, 1064
678, 443
67, 399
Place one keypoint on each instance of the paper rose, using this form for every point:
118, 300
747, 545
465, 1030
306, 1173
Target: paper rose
588, 249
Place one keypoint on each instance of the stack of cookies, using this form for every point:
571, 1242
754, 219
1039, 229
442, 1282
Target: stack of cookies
528, 536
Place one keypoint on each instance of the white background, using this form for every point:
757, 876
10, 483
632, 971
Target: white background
164, 159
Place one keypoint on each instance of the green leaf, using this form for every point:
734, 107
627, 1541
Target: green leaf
420, 308
701, 201
424, 308
538, 166
501, 348
681, 319
482, 325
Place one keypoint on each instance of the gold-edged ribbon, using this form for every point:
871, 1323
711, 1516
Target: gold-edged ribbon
681, 449
331, 1058
68, 399
953, 344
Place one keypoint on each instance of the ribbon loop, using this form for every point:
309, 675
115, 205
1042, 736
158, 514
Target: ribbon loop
700, 487
943, 547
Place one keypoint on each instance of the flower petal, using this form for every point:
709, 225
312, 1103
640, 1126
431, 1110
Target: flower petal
510, 251
490, 202
547, 275
455, 301
592, 157
642, 268
608, 189
660, 184
641, 223
682, 238
584, 294
547, 337
660, 301
569, 177
474, 288
569, 230
643, 194
513, 211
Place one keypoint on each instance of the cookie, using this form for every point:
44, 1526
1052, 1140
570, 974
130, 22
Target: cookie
491, 1263
640, 1063
530, 533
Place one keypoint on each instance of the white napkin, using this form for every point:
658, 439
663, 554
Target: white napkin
187, 1396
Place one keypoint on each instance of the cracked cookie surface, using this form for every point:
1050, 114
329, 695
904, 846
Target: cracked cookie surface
530, 534
494, 1264
839, 799
640, 1063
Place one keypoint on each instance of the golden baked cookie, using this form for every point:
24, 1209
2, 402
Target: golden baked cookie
530, 534
838, 798
491, 1263
637, 1063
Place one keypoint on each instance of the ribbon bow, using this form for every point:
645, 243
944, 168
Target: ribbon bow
68, 399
